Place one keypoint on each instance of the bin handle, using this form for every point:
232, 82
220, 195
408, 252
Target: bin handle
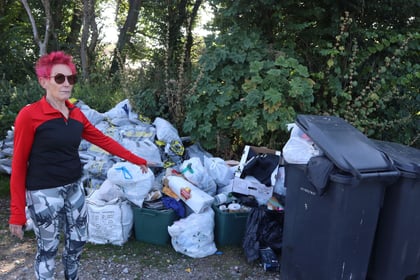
355, 172
387, 174
358, 176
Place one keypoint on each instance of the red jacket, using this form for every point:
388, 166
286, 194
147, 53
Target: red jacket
46, 151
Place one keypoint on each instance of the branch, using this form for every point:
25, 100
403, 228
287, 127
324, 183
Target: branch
32, 20
48, 20
42, 45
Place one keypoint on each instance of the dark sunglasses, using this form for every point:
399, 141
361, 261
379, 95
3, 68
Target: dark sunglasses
60, 78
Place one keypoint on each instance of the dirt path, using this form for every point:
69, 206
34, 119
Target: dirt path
133, 260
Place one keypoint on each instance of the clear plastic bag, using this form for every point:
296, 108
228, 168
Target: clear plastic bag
193, 235
299, 148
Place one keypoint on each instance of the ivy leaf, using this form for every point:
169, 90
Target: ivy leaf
253, 98
273, 96
274, 72
256, 66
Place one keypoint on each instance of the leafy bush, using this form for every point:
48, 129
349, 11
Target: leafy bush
101, 92
13, 97
247, 93
4, 185
146, 91
369, 79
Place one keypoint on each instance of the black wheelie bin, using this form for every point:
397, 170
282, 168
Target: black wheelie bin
333, 203
396, 253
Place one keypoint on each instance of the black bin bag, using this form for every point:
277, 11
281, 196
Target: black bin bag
264, 228
330, 222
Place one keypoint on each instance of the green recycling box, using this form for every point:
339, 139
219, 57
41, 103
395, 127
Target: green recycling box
229, 229
151, 225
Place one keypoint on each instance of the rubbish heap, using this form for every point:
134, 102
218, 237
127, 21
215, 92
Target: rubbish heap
193, 196
333, 203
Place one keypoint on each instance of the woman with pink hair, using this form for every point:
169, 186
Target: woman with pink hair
46, 168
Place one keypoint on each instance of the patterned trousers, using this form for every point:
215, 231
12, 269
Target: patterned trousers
52, 210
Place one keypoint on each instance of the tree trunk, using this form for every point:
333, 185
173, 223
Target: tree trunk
90, 31
42, 44
189, 43
76, 24
125, 35
179, 57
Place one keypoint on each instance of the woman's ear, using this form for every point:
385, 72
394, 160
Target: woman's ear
43, 82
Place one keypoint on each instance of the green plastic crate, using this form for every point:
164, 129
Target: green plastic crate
151, 226
229, 228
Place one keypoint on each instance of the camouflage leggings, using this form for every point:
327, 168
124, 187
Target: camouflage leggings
53, 209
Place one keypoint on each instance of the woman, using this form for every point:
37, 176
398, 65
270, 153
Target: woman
46, 168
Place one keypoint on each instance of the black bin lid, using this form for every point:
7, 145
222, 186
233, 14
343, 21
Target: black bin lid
405, 158
348, 148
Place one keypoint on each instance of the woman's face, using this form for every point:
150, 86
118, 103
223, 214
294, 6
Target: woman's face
54, 89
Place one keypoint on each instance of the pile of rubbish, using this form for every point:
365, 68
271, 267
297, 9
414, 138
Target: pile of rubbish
184, 178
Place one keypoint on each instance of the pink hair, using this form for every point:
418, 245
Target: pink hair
46, 62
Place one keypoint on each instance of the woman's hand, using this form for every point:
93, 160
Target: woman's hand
144, 168
16, 230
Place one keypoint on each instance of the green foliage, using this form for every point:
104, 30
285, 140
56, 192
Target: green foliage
145, 102
255, 80
163, 38
13, 97
147, 95
4, 185
281, 89
247, 93
251, 85
101, 92
368, 78
265, 61
16, 44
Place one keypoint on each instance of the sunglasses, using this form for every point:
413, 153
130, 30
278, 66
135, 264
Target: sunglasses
60, 78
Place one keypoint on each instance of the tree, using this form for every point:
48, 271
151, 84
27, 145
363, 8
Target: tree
90, 31
360, 60
264, 62
178, 56
62, 26
125, 35
166, 26
42, 43
16, 44
249, 88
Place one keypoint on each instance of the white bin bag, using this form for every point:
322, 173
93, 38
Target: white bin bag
109, 222
299, 148
195, 172
194, 235
134, 183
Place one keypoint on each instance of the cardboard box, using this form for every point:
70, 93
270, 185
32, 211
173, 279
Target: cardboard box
151, 226
260, 191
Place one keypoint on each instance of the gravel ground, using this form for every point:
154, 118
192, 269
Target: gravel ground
133, 260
